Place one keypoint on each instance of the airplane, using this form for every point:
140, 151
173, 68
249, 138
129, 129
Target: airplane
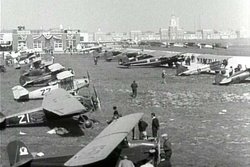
64, 80
112, 54
220, 45
202, 64
129, 56
239, 67
198, 69
106, 149
204, 45
41, 75
38, 66
97, 48
21, 56
57, 105
153, 59
237, 77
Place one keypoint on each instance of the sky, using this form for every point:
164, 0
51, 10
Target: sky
125, 15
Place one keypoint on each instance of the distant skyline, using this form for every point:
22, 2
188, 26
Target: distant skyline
125, 15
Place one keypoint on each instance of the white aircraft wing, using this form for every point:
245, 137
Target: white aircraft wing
61, 103
106, 141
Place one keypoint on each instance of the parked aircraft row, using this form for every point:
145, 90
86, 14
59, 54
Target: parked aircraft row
183, 44
228, 69
63, 106
137, 57
198, 63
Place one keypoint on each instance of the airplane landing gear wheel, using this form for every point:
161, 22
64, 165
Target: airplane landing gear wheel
85, 122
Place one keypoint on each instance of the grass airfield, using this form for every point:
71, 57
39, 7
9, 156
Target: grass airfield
208, 125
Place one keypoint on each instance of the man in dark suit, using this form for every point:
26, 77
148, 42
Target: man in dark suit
142, 126
155, 125
134, 86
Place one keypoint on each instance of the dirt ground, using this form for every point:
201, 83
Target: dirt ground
208, 125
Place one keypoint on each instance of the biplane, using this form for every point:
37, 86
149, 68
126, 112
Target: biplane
38, 66
56, 105
64, 80
106, 149
39, 76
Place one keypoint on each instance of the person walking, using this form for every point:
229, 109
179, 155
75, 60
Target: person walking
134, 87
125, 162
155, 125
142, 126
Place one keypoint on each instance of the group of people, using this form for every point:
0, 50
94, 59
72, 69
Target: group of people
165, 161
142, 127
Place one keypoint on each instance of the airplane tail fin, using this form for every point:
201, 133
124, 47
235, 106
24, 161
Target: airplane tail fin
20, 93
180, 69
123, 59
18, 153
220, 79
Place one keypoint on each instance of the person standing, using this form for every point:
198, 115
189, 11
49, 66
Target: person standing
163, 76
167, 147
231, 71
125, 162
142, 126
155, 125
134, 87
95, 60
116, 115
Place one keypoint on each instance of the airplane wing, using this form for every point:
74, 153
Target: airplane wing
61, 103
106, 141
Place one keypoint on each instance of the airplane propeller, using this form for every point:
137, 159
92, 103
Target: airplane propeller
88, 76
97, 102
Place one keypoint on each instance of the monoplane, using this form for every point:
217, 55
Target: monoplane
153, 59
57, 105
106, 149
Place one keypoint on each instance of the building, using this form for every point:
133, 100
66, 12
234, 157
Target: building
174, 30
6, 41
243, 33
56, 40
163, 32
150, 36
135, 35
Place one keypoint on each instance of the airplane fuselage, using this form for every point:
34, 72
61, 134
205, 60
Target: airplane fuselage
138, 155
41, 92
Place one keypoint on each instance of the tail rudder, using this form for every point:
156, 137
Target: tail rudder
181, 69
19, 154
20, 93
